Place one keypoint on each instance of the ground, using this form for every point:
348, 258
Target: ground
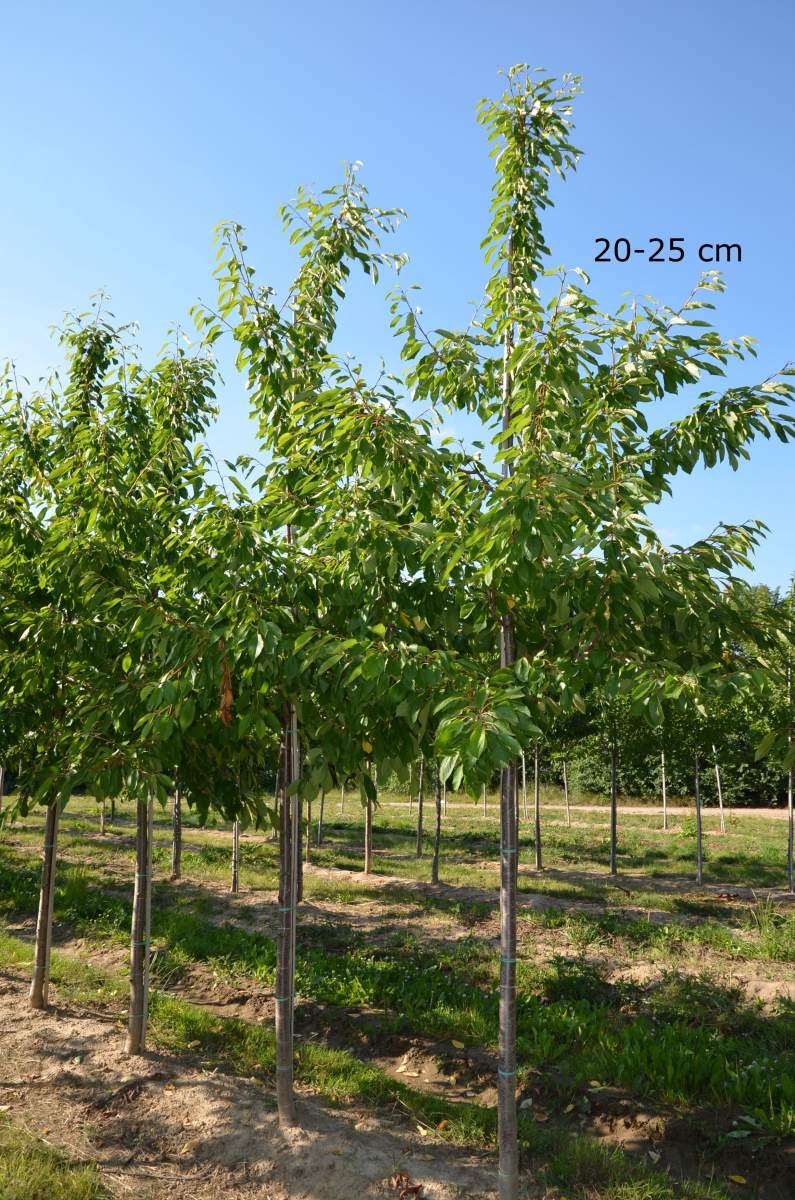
656, 1019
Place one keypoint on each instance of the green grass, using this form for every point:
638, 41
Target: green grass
30, 1170
560, 1155
572, 1024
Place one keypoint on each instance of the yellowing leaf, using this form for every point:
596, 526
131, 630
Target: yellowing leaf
738, 1179
367, 747
511, 602
422, 1130
458, 1045
419, 623
569, 1108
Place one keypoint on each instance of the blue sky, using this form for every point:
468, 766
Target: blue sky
128, 132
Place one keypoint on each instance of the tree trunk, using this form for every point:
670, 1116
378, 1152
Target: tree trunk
411, 790
437, 831
342, 796
419, 808
613, 809
566, 796
720, 789
176, 835
320, 817
2, 786
40, 983
235, 884
368, 836
444, 798
524, 787
289, 860
102, 819
113, 810
506, 1071
699, 846
140, 930
664, 790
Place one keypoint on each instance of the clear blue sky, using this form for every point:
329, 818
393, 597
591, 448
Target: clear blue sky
129, 131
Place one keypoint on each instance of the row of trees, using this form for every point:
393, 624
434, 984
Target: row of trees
362, 596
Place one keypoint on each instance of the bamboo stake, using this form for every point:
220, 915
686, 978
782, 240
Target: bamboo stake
444, 797
720, 789
368, 835
524, 788
320, 817
566, 795
664, 790
176, 834
699, 847
419, 808
437, 831
342, 796
289, 860
102, 819
308, 850
235, 885
613, 809
537, 810
140, 930
40, 984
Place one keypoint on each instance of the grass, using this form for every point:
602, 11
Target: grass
687, 1038
570, 1159
572, 1024
31, 1170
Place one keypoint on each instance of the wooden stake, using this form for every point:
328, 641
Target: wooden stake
720, 789
566, 795
664, 790
320, 817
368, 836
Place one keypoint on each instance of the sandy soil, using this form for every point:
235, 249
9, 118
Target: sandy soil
159, 1125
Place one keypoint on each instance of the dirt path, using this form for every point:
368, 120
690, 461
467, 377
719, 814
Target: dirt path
160, 1125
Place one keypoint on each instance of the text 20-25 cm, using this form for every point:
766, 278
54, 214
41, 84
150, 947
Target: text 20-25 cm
658, 250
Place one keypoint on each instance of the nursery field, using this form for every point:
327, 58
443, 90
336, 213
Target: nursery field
655, 1030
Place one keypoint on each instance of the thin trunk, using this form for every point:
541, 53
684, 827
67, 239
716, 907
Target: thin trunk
438, 831
176, 834
566, 795
485, 809
664, 790
342, 796
102, 819
613, 809
2, 786
289, 861
40, 983
235, 885
368, 836
320, 817
720, 789
537, 810
140, 930
113, 810
444, 798
699, 846
419, 808
411, 791
524, 787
